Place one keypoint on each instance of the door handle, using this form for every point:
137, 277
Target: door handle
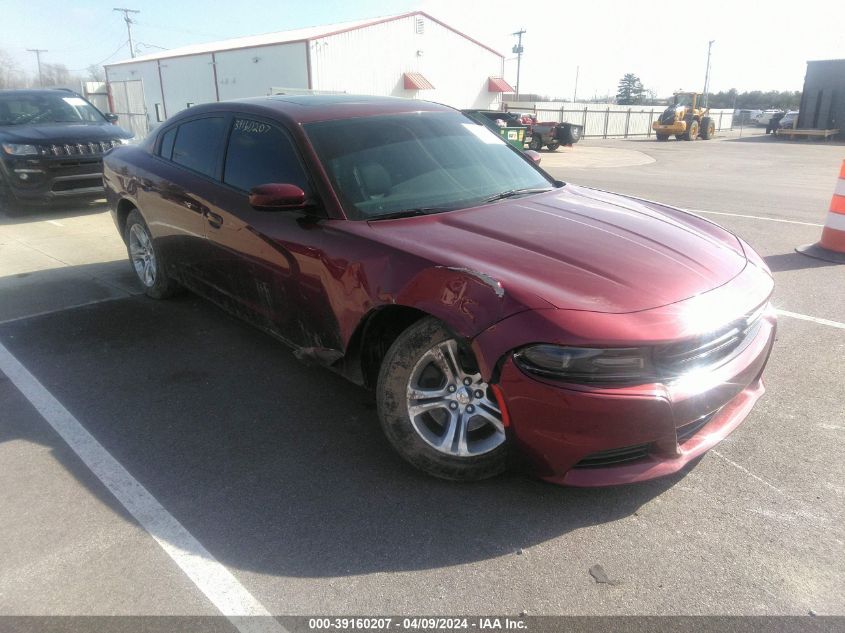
213, 219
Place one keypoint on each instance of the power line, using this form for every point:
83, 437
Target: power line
124, 43
38, 52
128, 21
178, 30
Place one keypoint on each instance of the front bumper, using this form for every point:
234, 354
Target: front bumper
678, 127
43, 179
584, 436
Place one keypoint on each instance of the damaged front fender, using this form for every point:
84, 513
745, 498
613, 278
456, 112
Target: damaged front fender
468, 301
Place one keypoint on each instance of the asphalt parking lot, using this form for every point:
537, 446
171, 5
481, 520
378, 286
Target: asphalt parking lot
281, 473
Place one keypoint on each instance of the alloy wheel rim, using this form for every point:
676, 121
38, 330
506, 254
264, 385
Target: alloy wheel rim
142, 254
450, 407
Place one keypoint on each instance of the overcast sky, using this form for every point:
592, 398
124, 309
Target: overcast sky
759, 45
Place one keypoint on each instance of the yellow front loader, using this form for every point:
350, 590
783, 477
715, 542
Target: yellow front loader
684, 119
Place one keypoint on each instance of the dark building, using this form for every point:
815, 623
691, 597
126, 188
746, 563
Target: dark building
823, 99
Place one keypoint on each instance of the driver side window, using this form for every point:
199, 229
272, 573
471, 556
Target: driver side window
260, 153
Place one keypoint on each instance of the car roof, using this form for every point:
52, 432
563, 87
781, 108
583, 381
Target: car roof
309, 108
38, 91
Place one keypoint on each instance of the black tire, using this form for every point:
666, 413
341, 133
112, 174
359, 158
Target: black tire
574, 134
394, 378
162, 286
692, 130
553, 145
663, 137
708, 128
536, 143
8, 202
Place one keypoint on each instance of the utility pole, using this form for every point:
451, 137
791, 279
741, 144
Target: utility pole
707, 73
128, 21
518, 50
38, 52
575, 91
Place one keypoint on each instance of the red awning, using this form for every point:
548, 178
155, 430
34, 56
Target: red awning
415, 81
497, 84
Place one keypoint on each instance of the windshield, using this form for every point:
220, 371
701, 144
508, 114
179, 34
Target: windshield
22, 109
683, 100
429, 161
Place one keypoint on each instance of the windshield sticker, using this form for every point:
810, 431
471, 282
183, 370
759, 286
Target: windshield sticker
482, 132
75, 101
251, 127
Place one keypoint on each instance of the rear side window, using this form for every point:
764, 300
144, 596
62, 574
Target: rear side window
260, 153
197, 145
165, 150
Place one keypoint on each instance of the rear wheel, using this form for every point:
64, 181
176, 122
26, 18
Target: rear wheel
146, 260
536, 143
708, 128
662, 137
435, 408
553, 145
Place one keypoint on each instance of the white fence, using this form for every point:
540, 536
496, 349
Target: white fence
600, 120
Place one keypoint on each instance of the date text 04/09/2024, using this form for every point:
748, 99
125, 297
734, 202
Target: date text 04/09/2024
417, 623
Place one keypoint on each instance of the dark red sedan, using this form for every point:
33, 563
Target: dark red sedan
494, 310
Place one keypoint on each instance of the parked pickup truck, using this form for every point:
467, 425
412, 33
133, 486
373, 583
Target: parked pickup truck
538, 134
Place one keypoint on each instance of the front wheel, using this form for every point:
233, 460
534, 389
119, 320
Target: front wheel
435, 408
8, 202
692, 131
553, 145
146, 260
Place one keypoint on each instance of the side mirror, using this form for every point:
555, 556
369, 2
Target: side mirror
534, 156
111, 118
276, 197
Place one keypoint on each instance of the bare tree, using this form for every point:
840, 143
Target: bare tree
56, 75
11, 75
95, 73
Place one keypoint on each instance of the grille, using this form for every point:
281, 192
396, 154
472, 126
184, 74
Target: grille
82, 183
92, 148
679, 358
614, 456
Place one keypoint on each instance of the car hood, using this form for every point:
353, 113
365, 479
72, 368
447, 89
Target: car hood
61, 133
578, 248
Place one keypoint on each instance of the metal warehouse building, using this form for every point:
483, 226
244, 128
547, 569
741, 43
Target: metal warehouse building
409, 55
823, 98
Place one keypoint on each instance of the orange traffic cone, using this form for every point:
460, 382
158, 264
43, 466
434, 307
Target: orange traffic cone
831, 247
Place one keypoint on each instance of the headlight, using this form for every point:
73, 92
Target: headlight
126, 141
586, 364
20, 150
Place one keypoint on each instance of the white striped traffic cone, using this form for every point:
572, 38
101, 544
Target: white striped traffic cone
831, 247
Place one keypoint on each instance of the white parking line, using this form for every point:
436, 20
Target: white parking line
754, 217
212, 578
804, 317
62, 309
